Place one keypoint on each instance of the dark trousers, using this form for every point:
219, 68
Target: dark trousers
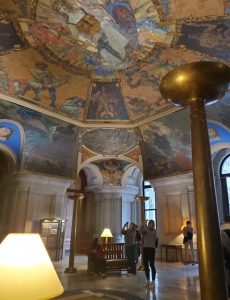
99, 264
131, 257
149, 259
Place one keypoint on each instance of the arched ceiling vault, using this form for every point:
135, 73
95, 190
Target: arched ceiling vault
99, 63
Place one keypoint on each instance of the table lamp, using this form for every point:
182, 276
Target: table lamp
26, 271
106, 234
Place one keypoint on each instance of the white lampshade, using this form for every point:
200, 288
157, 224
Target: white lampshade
26, 271
106, 233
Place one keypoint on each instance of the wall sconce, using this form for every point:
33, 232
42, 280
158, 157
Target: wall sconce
106, 234
26, 270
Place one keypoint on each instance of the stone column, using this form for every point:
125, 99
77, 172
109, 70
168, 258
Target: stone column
113, 207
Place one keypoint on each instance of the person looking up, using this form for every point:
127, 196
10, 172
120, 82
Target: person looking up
129, 231
150, 243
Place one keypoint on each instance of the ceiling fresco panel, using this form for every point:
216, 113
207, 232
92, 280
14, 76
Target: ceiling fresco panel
141, 83
99, 35
50, 144
166, 147
211, 37
43, 83
182, 9
106, 102
110, 141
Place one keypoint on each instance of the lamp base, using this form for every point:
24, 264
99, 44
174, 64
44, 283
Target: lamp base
70, 270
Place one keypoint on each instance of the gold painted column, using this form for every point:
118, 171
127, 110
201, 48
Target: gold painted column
194, 85
76, 196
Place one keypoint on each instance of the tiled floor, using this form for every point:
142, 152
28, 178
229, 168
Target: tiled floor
174, 281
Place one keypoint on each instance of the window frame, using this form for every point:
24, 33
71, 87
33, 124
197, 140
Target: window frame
224, 185
148, 186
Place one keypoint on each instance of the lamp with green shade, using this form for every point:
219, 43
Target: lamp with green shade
26, 271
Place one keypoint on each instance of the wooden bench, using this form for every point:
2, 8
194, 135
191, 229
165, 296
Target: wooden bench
114, 254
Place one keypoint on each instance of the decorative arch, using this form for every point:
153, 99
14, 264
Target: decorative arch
132, 176
93, 174
220, 183
8, 160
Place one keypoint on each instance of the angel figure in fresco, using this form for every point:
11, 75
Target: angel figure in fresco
4, 82
43, 79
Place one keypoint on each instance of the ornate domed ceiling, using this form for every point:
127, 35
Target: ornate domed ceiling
101, 61
98, 64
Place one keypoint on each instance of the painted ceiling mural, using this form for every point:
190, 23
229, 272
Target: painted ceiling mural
219, 111
101, 61
165, 145
64, 51
50, 145
207, 36
107, 102
110, 141
112, 171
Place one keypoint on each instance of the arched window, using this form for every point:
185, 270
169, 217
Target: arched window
225, 181
150, 205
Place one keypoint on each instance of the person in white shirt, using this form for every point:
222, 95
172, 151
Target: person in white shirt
150, 242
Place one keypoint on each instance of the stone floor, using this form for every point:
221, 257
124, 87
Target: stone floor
174, 281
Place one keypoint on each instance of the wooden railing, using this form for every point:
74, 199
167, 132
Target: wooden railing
114, 251
114, 254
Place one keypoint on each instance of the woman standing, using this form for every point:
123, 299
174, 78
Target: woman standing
150, 242
130, 245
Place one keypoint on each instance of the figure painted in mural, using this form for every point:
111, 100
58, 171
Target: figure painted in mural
150, 243
104, 104
129, 231
188, 242
45, 34
41, 79
4, 82
8, 37
126, 19
5, 133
